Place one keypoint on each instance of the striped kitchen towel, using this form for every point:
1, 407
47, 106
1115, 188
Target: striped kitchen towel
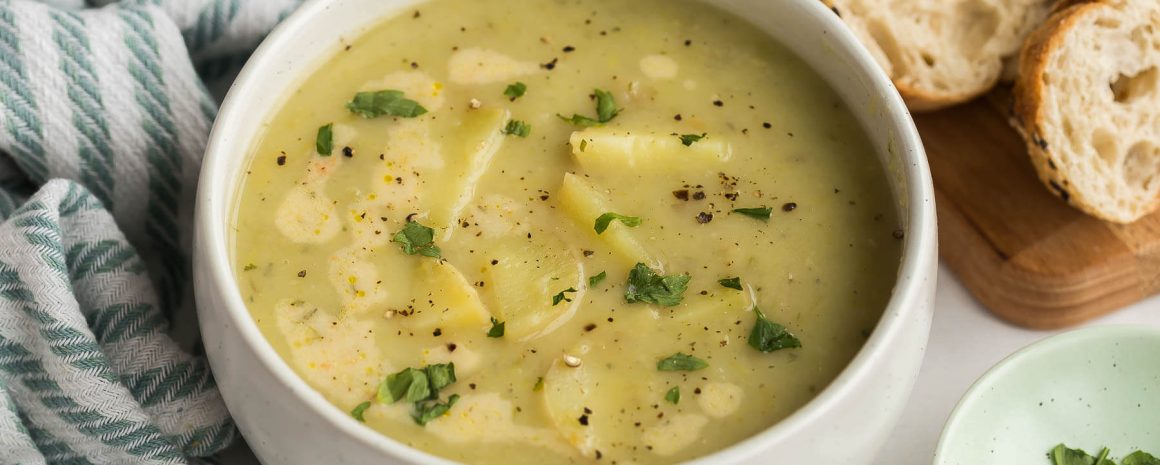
104, 111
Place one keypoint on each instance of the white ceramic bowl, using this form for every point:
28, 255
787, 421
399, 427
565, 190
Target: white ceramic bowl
287, 423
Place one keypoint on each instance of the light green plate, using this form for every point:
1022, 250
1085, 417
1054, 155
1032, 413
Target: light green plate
1089, 389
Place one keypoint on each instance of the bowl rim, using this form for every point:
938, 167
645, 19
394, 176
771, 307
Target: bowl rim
913, 276
1026, 354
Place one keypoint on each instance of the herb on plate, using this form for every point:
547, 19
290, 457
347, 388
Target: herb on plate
1063, 455
515, 90
731, 283
761, 213
645, 285
421, 387
518, 128
674, 395
324, 142
497, 328
427, 411
681, 362
409, 385
594, 280
417, 239
384, 103
689, 139
556, 299
358, 411
603, 221
606, 110
768, 336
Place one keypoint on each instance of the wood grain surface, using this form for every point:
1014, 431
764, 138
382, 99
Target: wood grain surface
1024, 253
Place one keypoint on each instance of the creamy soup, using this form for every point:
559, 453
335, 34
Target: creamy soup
566, 231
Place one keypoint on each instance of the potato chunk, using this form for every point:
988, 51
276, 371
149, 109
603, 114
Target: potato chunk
529, 273
583, 203
455, 184
610, 151
441, 297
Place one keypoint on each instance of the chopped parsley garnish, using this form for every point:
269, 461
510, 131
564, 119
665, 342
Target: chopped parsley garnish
768, 336
417, 239
594, 280
427, 411
556, 299
539, 384
761, 213
688, 139
606, 219
731, 283
674, 395
409, 385
250, 267
420, 386
681, 362
496, 328
440, 376
645, 285
1062, 455
384, 103
515, 91
516, 127
324, 143
606, 110
358, 411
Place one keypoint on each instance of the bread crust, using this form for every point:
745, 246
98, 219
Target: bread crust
1029, 101
918, 100
921, 98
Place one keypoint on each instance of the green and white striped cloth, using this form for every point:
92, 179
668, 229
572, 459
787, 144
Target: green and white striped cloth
104, 111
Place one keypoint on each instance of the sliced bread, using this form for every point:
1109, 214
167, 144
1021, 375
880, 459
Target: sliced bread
1088, 103
942, 52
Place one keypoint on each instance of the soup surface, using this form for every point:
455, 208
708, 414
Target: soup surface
570, 231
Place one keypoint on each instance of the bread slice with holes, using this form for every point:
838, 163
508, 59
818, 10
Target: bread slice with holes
942, 52
1088, 104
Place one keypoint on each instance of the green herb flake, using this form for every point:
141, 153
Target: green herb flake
731, 283
606, 219
539, 384
761, 213
515, 91
578, 120
556, 299
249, 267
1140, 458
497, 328
689, 139
409, 385
681, 362
594, 280
358, 411
417, 239
384, 103
673, 396
606, 110
516, 127
425, 412
768, 336
645, 285
324, 142
440, 376
1063, 455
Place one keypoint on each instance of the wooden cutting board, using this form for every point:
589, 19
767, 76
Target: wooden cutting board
1024, 253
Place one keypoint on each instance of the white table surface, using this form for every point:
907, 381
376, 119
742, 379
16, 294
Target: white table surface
965, 341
